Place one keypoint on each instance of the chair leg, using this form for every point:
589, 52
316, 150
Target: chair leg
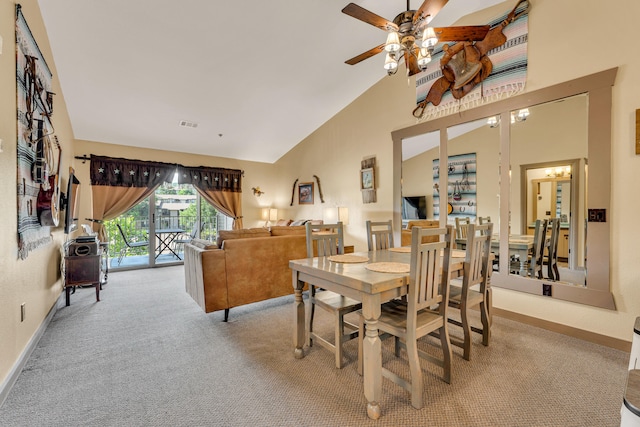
338, 334
486, 322
416, 373
466, 327
122, 252
446, 353
309, 316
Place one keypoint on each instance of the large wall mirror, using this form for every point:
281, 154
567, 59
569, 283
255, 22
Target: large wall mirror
522, 163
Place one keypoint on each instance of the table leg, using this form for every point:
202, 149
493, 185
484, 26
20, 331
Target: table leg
298, 332
372, 355
523, 262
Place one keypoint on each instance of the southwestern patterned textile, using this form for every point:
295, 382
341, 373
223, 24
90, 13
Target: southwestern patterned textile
35, 106
508, 77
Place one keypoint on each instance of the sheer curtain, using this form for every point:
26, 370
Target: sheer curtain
119, 184
220, 187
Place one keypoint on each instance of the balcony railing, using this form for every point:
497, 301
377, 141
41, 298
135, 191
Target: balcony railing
136, 229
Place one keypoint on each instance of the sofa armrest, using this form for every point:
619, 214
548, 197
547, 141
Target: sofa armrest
206, 277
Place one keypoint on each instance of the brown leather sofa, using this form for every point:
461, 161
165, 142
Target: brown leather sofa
405, 235
245, 266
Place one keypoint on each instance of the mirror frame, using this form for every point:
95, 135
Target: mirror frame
598, 86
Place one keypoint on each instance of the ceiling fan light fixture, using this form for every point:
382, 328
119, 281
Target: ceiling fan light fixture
393, 42
390, 64
424, 57
429, 39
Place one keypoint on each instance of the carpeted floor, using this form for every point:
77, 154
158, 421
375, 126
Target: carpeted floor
146, 355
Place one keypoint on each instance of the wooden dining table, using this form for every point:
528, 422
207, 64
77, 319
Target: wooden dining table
372, 289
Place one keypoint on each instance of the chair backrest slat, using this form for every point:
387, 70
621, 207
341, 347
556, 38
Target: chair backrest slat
461, 227
379, 235
476, 263
328, 239
537, 254
429, 271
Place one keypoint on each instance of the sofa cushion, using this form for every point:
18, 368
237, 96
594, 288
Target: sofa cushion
241, 234
288, 231
284, 222
203, 244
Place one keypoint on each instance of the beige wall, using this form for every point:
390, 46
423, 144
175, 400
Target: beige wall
35, 281
561, 47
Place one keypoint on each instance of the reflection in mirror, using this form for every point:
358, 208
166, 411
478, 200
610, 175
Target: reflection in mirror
417, 178
549, 149
472, 169
564, 114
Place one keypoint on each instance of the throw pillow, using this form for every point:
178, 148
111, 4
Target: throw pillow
203, 244
241, 234
283, 222
299, 222
288, 231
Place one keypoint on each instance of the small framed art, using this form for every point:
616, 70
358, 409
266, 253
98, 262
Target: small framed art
367, 179
305, 193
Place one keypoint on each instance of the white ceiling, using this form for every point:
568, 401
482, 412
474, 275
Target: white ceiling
256, 76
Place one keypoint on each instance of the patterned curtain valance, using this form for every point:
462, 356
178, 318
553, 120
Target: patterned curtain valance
129, 173
211, 179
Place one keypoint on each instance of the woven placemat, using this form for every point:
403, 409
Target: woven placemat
389, 267
402, 249
347, 258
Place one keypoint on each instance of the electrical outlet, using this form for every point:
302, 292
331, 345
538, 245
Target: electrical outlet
23, 312
546, 290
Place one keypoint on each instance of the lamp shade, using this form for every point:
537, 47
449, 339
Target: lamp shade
343, 215
264, 214
393, 42
273, 214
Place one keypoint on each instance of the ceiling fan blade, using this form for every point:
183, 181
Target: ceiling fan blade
463, 33
429, 8
411, 63
364, 15
368, 54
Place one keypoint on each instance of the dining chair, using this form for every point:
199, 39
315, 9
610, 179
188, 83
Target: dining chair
551, 260
184, 238
484, 220
379, 235
423, 312
326, 241
129, 244
534, 259
474, 289
537, 253
461, 227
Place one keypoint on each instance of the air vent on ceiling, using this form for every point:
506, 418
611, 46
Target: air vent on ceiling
188, 124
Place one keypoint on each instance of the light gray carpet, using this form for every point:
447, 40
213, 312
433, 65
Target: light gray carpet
146, 355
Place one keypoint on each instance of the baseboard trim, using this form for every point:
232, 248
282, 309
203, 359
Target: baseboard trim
593, 337
11, 379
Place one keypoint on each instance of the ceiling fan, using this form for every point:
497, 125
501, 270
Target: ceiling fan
410, 36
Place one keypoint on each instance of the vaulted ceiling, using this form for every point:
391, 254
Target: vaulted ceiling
255, 77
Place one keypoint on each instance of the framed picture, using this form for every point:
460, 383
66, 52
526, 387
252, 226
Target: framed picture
305, 193
367, 179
